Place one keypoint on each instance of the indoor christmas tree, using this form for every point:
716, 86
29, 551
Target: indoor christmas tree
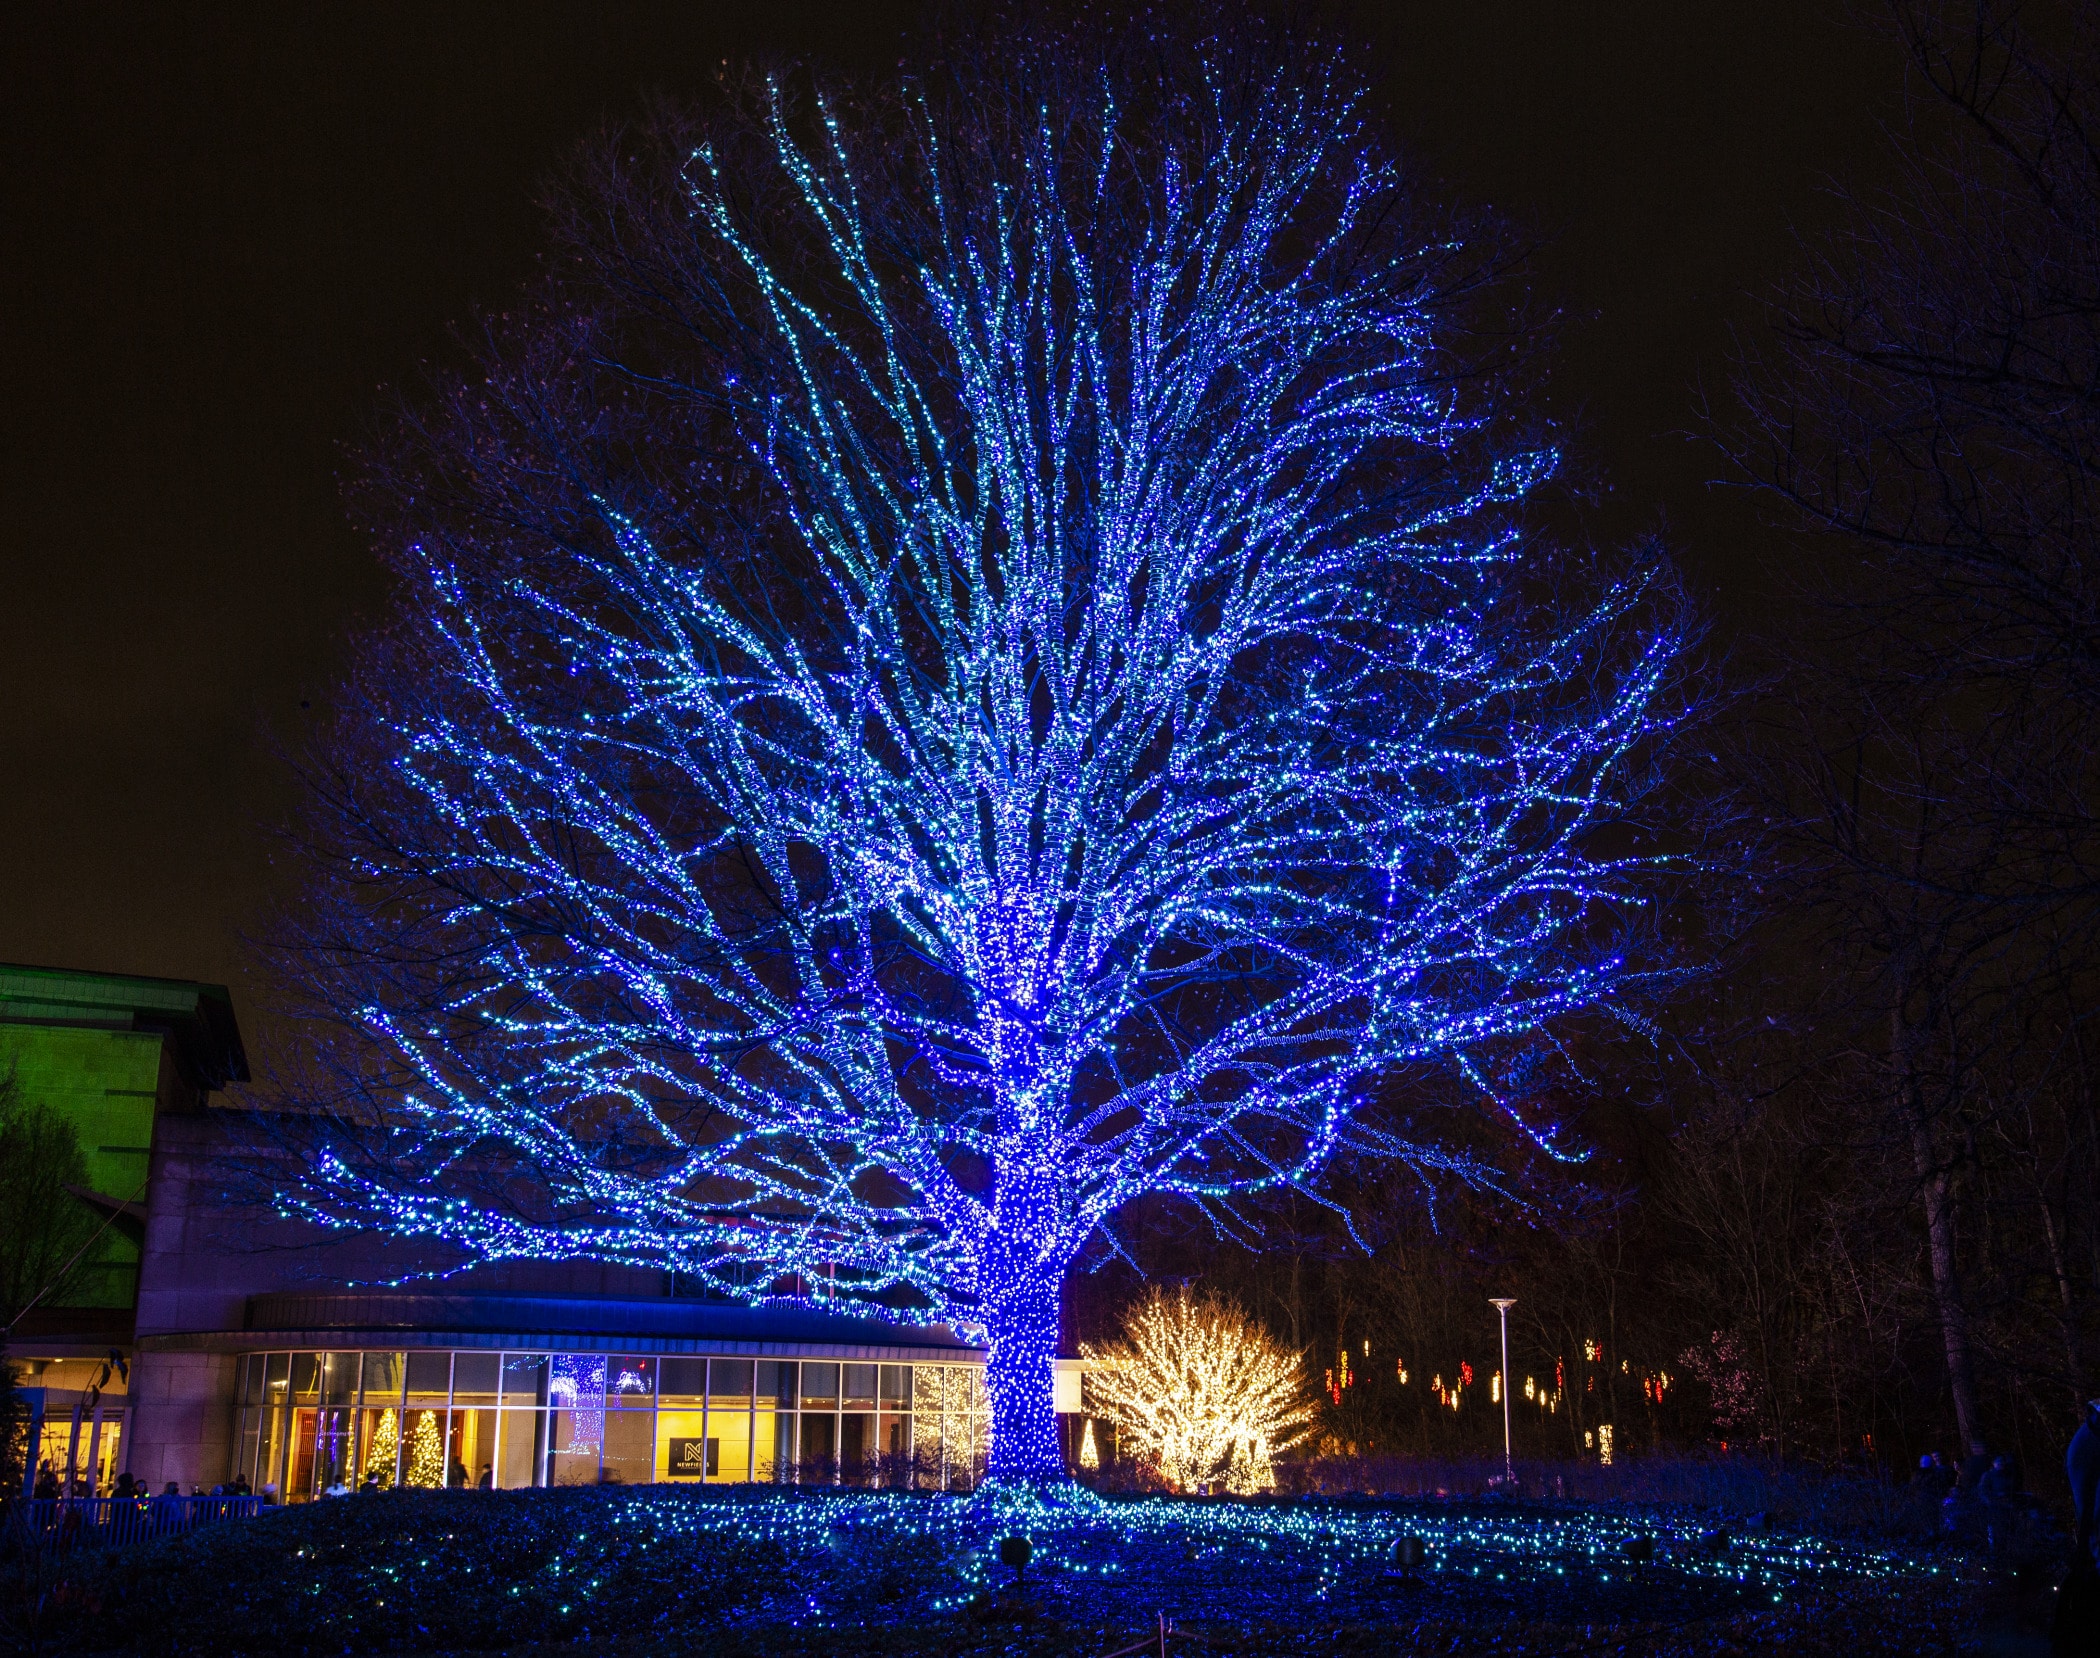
426, 1452
386, 1444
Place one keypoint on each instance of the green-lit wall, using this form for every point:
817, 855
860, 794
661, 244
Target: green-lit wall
104, 1083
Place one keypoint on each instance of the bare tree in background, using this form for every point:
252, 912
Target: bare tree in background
1930, 414
42, 1229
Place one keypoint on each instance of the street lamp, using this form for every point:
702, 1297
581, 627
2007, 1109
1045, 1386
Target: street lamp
1502, 1305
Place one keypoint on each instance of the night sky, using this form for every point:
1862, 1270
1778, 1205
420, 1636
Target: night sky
224, 230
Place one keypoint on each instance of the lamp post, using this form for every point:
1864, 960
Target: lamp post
1502, 1305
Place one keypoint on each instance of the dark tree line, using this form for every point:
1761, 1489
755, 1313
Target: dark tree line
1859, 1214
1926, 416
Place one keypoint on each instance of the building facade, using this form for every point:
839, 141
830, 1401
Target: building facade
210, 1339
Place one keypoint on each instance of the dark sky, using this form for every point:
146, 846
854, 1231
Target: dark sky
223, 229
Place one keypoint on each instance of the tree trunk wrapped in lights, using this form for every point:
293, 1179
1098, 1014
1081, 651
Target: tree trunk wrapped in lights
972, 655
1200, 1392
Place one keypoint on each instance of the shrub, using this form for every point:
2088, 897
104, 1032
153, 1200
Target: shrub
442, 1570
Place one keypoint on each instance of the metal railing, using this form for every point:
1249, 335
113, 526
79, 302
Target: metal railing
62, 1523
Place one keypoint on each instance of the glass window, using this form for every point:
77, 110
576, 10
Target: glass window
681, 1382
429, 1378
630, 1383
578, 1442
577, 1387
775, 1381
299, 1463
859, 1387
576, 1381
524, 1378
820, 1387
681, 1446
98, 1455
252, 1379
472, 1455
729, 1440
630, 1449
896, 1387
423, 1449
964, 1442
276, 1377
857, 1447
893, 1448
474, 1378
306, 1377
269, 1457
926, 1449
332, 1450
816, 1463
382, 1379
729, 1383
776, 1451
339, 1378
926, 1390
522, 1448
380, 1436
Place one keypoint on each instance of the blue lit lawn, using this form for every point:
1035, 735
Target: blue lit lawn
659, 1570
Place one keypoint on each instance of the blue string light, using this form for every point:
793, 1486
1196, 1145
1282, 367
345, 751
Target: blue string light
1164, 749
1092, 1560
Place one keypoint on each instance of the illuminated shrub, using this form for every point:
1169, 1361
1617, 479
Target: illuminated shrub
1201, 1392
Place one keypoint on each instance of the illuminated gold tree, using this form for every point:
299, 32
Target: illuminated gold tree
1201, 1391
426, 1452
386, 1442
1251, 1469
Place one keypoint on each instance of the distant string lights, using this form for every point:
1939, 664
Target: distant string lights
1549, 1398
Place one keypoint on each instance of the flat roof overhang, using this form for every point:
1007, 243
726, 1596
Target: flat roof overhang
572, 1324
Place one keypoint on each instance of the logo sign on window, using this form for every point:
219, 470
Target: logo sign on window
690, 1458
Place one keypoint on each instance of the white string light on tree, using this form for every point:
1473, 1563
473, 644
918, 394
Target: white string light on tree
1200, 1392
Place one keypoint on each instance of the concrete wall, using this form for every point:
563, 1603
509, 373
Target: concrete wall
181, 1419
212, 1239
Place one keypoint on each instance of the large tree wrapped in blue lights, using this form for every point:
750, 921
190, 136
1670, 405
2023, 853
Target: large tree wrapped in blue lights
971, 654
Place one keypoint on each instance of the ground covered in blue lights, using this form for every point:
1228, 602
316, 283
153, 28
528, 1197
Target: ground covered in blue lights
731, 1572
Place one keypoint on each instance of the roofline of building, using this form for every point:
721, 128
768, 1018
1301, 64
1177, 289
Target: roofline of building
234, 1342
197, 1018
570, 1324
